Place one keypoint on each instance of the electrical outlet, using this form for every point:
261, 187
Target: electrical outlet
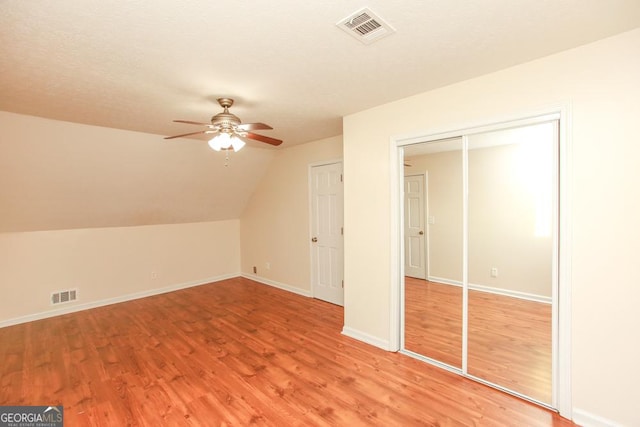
494, 272
255, 269
267, 265
154, 275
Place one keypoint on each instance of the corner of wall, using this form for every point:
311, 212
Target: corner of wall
367, 338
275, 284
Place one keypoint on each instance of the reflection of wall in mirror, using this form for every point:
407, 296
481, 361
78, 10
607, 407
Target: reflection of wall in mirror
510, 215
510, 210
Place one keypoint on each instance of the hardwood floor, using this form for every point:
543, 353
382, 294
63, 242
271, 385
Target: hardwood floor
235, 353
509, 339
510, 343
433, 320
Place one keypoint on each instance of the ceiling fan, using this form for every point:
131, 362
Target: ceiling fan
229, 130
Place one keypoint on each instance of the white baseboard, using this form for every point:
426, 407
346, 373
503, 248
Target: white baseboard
444, 281
510, 293
114, 300
586, 419
366, 338
492, 290
278, 285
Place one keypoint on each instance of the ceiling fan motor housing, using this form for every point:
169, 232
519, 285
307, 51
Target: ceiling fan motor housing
225, 120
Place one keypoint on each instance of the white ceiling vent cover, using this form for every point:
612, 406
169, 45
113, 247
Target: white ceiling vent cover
365, 26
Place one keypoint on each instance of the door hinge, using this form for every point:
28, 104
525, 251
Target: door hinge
342, 231
341, 178
342, 283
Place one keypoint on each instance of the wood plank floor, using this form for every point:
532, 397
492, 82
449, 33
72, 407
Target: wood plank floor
235, 353
509, 338
510, 343
433, 320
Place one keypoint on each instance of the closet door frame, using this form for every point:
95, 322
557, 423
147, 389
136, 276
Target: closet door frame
561, 372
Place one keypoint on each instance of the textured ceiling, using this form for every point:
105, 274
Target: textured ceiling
137, 65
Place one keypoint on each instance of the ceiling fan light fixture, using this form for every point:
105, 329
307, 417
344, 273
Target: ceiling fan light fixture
224, 141
215, 143
237, 143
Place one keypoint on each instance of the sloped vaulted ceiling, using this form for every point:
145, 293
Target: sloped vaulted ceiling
60, 175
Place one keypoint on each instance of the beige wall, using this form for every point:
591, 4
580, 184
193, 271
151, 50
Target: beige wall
600, 83
275, 224
110, 263
510, 217
117, 262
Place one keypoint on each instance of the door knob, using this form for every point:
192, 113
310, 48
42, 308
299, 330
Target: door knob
314, 239
421, 232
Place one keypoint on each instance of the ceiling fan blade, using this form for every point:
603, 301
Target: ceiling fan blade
189, 134
189, 122
263, 138
253, 126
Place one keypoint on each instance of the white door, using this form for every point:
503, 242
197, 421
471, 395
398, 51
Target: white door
414, 229
326, 232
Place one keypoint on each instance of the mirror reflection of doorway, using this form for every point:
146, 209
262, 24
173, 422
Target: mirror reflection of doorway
486, 305
415, 237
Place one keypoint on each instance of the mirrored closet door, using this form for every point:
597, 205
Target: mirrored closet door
433, 238
484, 305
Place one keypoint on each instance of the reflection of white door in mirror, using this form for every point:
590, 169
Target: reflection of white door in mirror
414, 226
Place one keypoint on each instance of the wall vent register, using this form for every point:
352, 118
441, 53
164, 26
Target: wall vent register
62, 297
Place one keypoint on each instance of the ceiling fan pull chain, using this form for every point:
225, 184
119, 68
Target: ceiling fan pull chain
226, 160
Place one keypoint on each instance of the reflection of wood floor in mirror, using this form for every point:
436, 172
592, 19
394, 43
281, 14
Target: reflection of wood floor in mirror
509, 338
510, 343
433, 320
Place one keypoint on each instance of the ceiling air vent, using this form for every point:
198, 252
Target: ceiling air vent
365, 26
